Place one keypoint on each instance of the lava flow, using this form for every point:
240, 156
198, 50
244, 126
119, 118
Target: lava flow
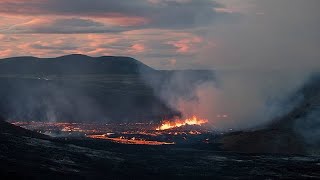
178, 123
124, 140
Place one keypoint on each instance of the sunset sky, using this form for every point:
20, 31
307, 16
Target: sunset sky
164, 34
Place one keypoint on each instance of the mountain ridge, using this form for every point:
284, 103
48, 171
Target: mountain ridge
72, 64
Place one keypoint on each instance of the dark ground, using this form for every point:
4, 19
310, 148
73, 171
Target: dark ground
28, 155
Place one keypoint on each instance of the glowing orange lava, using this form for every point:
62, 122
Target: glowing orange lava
123, 140
178, 123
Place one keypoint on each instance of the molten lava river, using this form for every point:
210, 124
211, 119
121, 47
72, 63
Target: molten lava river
178, 131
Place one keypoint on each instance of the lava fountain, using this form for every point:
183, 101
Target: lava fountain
194, 120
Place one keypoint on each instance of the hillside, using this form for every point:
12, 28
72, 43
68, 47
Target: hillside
9, 129
295, 133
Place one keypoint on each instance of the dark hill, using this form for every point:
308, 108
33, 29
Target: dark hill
78, 88
296, 132
72, 64
7, 128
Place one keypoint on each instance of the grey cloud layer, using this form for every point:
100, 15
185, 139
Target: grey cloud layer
170, 14
64, 26
95, 8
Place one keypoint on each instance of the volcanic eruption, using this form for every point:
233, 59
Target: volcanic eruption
194, 120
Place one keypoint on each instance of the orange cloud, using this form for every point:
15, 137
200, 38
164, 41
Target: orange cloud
6, 53
126, 21
186, 45
97, 40
138, 48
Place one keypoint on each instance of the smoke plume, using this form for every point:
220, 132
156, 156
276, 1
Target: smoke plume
259, 61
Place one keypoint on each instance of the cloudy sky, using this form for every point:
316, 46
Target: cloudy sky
165, 34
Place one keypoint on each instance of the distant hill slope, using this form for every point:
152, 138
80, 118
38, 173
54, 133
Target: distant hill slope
7, 128
310, 93
72, 64
297, 132
77, 88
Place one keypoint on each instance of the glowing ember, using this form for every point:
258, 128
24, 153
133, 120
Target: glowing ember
178, 123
